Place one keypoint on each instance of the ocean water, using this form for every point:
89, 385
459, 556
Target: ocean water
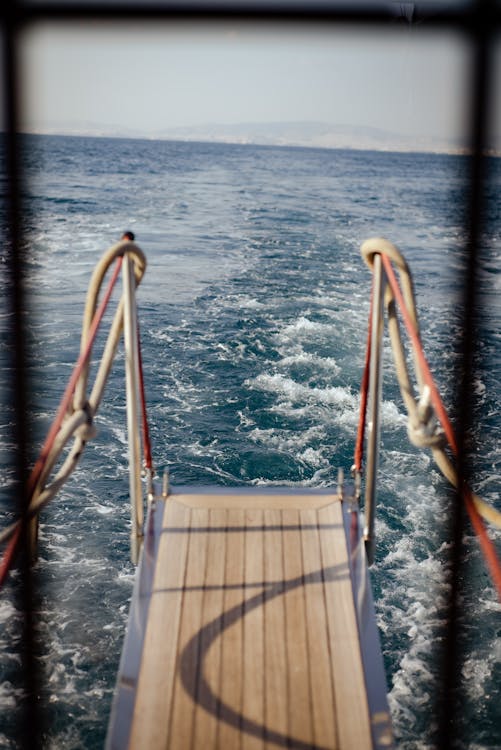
253, 314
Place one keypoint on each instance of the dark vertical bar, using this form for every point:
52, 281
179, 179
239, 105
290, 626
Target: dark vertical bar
480, 42
29, 729
478, 24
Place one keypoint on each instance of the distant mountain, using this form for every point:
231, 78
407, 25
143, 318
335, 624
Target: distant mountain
310, 134
306, 134
84, 128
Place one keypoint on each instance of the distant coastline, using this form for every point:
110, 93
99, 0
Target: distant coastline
298, 134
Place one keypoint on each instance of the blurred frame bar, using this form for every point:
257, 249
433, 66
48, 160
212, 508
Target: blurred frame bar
30, 730
479, 21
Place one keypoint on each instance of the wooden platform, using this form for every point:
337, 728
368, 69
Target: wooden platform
249, 635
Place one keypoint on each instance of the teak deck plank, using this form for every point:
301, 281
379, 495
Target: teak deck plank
181, 723
251, 640
253, 698
154, 692
317, 630
232, 643
347, 670
276, 713
296, 638
208, 685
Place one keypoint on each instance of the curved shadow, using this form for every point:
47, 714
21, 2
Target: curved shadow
192, 658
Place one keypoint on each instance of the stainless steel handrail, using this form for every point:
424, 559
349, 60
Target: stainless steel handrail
375, 391
132, 393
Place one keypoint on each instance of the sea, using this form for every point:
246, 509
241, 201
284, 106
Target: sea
253, 316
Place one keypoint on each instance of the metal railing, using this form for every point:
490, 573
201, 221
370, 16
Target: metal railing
133, 392
429, 425
74, 419
374, 406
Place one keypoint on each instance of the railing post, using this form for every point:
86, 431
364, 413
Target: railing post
132, 390
375, 389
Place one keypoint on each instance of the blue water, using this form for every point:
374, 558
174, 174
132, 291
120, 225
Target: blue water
253, 313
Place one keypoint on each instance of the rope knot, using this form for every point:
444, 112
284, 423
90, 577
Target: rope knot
423, 428
86, 430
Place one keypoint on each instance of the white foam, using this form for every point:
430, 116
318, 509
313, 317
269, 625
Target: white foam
7, 610
294, 443
476, 671
303, 327
317, 480
251, 304
287, 439
104, 510
492, 605
9, 696
163, 336
296, 399
479, 387
297, 392
307, 358
245, 419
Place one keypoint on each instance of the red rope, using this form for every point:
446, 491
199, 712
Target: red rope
364, 390
11, 549
416, 341
148, 461
70, 388
9, 555
486, 543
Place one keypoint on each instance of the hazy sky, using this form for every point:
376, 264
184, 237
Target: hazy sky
152, 77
